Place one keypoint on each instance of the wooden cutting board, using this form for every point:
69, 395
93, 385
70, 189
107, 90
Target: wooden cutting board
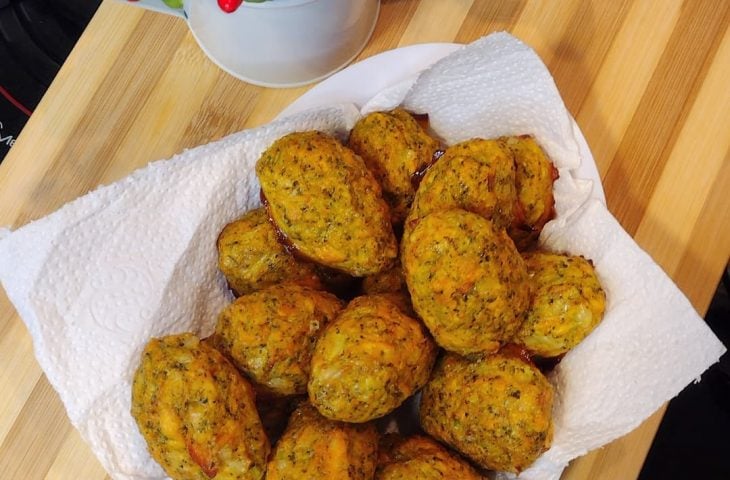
647, 82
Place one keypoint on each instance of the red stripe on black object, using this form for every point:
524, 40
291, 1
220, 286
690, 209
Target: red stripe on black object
15, 102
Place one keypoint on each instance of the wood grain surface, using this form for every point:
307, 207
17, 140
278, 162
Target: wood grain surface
646, 80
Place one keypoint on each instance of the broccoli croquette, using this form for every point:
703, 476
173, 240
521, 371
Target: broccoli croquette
568, 303
369, 360
467, 281
197, 413
327, 204
496, 409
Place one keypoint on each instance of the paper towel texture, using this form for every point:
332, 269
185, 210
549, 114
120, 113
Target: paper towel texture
496, 86
136, 259
649, 346
97, 279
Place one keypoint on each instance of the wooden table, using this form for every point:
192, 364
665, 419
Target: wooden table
646, 81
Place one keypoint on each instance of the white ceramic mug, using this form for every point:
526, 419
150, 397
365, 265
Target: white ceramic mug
278, 43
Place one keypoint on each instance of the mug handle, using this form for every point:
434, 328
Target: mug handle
158, 6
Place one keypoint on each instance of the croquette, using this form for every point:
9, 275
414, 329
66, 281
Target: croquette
270, 334
495, 409
327, 204
422, 458
534, 178
467, 281
197, 413
476, 175
568, 303
316, 448
394, 147
369, 360
251, 258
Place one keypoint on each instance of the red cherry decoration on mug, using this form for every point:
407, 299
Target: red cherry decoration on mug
229, 6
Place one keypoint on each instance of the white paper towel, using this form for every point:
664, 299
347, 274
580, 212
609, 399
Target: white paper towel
493, 87
649, 346
651, 343
496, 86
96, 279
